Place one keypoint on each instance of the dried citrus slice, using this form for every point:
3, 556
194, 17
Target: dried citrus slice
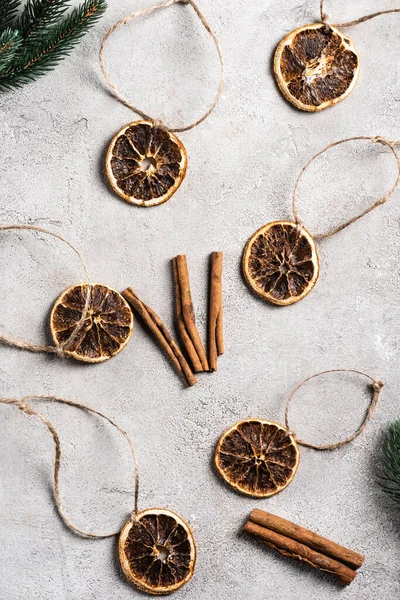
157, 551
258, 458
145, 164
316, 66
105, 331
280, 262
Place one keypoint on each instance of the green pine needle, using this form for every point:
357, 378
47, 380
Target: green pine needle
46, 36
390, 479
8, 12
39, 15
10, 42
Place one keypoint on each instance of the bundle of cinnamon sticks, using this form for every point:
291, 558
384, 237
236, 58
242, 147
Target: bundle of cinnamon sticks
300, 543
185, 315
196, 359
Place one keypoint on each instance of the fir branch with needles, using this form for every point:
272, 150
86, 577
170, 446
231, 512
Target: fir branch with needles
8, 13
33, 41
390, 459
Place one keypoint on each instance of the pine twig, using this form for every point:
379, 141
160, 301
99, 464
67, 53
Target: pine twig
8, 13
38, 15
36, 59
10, 42
390, 457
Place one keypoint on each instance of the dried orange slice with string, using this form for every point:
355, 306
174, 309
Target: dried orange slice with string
106, 327
316, 66
280, 262
157, 551
145, 164
258, 458
156, 547
90, 322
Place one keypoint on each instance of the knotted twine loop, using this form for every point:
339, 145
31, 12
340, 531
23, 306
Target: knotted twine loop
376, 386
148, 11
376, 139
26, 408
324, 16
61, 348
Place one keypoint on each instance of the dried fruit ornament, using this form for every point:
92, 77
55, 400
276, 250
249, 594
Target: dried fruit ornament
280, 261
146, 162
156, 547
317, 66
90, 322
260, 458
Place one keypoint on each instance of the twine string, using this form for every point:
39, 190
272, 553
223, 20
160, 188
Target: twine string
376, 386
379, 140
61, 348
28, 410
324, 16
145, 12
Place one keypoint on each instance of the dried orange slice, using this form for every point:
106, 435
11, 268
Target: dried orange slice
157, 551
280, 262
106, 330
145, 164
257, 458
316, 66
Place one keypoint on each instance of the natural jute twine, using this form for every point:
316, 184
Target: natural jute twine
61, 349
376, 386
379, 140
148, 11
325, 19
26, 408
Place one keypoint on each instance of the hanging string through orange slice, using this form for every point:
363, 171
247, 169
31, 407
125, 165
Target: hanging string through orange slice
280, 260
90, 322
61, 348
146, 162
148, 536
146, 12
260, 458
391, 144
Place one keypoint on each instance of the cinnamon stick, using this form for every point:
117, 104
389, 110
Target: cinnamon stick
215, 320
185, 315
293, 549
162, 335
307, 537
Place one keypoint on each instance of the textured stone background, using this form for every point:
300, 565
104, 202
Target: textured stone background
242, 165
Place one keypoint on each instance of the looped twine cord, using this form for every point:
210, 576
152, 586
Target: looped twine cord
324, 16
376, 139
147, 11
376, 385
26, 408
61, 349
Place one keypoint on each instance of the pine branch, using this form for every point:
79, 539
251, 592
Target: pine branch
8, 12
37, 59
38, 15
10, 42
390, 456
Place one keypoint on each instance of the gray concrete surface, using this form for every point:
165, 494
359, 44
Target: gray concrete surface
242, 165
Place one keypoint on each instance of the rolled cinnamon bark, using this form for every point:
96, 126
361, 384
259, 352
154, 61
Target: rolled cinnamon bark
292, 549
185, 315
307, 537
215, 322
162, 335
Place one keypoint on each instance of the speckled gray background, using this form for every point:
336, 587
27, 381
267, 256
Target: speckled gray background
242, 165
